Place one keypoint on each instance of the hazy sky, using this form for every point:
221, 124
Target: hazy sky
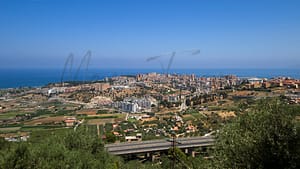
124, 33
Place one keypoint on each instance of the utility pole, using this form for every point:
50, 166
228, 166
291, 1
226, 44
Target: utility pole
173, 147
174, 157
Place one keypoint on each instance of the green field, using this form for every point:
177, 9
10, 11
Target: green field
11, 114
9, 129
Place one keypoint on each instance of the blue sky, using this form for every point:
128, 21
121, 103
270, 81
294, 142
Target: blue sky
124, 33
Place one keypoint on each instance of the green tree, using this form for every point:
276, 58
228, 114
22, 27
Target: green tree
110, 137
175, 157
199, 162
265, 137
78, 149
19, 158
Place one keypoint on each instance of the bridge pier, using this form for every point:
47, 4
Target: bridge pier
153, 158
193, 153
186, 151
150, 156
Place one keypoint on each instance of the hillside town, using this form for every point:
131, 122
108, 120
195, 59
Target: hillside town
134, 108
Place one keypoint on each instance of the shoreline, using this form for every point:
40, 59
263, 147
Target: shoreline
26, 78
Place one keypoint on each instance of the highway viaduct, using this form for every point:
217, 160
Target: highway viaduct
158, 146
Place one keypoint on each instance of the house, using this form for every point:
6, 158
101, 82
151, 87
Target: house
255, 80
117, 134
173, 98
137, 137
130, 138
70, 121
266, 85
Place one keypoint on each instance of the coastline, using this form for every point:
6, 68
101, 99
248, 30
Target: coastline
37, 77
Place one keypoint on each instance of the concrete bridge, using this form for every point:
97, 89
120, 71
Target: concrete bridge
158, 145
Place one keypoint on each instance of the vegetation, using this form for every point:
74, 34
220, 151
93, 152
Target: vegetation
70, 150
102, 112
264, 135
101, 117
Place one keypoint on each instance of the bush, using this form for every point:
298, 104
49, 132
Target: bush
264, 137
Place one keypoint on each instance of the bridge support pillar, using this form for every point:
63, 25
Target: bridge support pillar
152, 158
148, 155
193, 153
186, 151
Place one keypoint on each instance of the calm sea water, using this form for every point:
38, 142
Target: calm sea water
12, 78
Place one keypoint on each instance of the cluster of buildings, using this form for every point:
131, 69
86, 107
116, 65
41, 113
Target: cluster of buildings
120, 92
99, 101
15, 137
286, 82
189, 82
134, 105
67, 88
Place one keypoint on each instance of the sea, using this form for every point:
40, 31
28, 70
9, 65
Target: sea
16, 78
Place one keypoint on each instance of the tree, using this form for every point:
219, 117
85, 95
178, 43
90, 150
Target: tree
177, 156
138, 165
265, 137
110, 137
19, 158
78, 149
199, 162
